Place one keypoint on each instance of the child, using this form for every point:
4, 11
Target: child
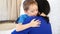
31, 9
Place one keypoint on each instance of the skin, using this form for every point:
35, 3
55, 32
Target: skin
43, 14
32, 11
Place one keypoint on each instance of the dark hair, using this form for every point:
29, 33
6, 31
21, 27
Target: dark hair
43, 7
27, 3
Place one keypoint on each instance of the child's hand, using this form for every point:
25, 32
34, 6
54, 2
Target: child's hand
35, 23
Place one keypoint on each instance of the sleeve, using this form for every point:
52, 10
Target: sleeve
20, 19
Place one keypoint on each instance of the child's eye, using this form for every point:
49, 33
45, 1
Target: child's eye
32, 11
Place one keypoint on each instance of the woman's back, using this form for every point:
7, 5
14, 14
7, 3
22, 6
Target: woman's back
45, 28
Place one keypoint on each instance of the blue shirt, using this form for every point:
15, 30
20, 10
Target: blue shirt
45, 28
21, 18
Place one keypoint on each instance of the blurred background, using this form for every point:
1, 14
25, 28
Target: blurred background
10, 10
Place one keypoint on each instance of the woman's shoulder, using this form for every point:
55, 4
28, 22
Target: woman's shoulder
41, 18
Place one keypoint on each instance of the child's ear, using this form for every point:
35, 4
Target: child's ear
25, 11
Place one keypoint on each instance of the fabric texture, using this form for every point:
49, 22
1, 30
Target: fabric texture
45, 28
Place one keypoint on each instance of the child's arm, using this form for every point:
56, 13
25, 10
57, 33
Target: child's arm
33, 23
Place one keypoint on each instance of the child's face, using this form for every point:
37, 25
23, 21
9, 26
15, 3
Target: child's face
33, 10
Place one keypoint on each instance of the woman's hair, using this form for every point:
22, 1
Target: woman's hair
43, 7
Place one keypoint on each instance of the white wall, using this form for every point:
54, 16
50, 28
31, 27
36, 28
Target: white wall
3, 10
54, 15
21, 8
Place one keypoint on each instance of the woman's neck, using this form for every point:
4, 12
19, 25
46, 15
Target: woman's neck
43, 14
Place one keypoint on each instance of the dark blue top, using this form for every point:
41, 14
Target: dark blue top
45, 28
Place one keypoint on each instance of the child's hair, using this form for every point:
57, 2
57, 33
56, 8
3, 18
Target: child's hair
27, 3
43, 7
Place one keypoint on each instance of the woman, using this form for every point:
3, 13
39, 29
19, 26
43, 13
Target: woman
45, 27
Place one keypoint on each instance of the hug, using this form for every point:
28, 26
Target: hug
35, 19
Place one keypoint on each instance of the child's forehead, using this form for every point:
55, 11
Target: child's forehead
33, 6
